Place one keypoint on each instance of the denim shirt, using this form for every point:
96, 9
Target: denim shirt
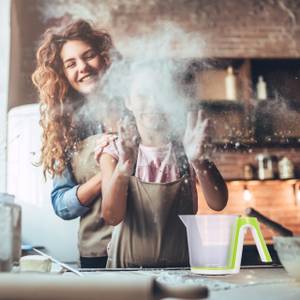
64, 196
64, 193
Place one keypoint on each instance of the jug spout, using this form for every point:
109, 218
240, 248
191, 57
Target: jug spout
185, 219
189, 221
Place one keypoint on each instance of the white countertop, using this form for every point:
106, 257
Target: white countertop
251, 283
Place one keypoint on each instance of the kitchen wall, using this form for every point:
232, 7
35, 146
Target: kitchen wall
278, 200
235, 28
227, 29
4, 63
275, 199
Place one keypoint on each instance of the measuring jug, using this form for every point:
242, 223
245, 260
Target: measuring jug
216, 242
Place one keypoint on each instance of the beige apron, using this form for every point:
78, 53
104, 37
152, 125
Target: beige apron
152, 235
93, 235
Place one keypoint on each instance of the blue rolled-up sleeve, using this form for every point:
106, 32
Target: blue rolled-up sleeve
64, 197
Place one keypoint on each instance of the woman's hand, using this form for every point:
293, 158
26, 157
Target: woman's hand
196, 140
103, 142
127, 145
116, 173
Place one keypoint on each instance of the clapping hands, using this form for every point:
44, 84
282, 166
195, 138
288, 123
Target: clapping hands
196, 141
127, 145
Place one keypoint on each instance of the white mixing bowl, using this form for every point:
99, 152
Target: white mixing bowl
288, 250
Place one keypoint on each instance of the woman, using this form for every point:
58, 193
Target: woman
70, 63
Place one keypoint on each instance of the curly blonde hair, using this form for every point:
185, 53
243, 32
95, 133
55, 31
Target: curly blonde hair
58, 100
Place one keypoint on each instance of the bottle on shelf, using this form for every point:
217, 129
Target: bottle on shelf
261, 89
230, 85
286, 168
248, 172
265, 166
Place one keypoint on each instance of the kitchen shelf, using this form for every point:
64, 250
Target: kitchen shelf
197, 65
222, 105
242, 145
248, 122
255, 182
290, 104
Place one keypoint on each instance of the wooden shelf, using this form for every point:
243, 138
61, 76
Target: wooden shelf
255, 182
246, 123
221, 105
199, 65
245, 145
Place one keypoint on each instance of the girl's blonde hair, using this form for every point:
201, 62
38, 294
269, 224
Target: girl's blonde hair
58, 100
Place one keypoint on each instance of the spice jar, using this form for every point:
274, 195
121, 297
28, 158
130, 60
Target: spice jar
285, 168
248, 172
265, 166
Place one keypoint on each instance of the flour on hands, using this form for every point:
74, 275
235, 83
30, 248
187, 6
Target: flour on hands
127, 145
196, 141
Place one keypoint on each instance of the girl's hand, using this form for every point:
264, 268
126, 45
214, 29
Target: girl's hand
196, 141
127, 145
103, 142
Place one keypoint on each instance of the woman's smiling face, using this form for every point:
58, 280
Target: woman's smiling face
82, 65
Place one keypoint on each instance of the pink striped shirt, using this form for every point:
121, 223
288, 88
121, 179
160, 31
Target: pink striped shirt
156, 164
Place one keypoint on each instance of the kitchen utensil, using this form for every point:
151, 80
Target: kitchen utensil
110, 286
63, 265
288, 250
251, 212
215, 242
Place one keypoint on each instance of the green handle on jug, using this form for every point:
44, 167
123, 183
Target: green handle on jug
241, 226
259, 239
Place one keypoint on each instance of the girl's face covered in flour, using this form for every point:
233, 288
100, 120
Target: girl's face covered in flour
146, 102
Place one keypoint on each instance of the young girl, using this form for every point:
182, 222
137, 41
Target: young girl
71, 60
148, 179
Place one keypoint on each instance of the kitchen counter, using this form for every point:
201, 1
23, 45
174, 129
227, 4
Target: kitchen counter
250, 283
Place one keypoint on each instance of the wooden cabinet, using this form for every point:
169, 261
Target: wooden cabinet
248, 120
229, 121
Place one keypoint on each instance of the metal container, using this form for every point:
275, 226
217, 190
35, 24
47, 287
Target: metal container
10, 232
265, 166
286, 168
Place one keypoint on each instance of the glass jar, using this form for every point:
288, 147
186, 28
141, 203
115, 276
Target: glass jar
248, 172
10, 232
286, 168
